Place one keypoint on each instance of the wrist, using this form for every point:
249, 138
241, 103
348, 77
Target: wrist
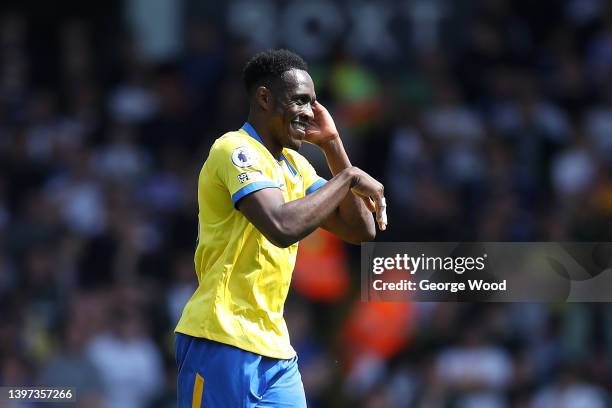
331, 144
351, 174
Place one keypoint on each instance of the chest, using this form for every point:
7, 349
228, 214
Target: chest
289, 179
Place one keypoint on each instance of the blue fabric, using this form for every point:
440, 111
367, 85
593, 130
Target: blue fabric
315, 186
253, 133
251, 188
291, 169
235, 377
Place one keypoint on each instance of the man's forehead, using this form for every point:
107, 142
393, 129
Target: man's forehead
298, 80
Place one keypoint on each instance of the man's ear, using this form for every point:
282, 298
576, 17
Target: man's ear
264, 98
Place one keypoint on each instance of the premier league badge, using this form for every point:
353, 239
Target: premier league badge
244, 157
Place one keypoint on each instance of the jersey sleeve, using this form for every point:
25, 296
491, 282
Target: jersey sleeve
240, 168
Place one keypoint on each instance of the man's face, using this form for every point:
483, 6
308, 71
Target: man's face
293, 99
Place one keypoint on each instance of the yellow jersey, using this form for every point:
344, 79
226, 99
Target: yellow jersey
243, 279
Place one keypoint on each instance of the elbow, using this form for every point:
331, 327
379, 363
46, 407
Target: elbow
281, 237
282, 241
370, 234
366, 234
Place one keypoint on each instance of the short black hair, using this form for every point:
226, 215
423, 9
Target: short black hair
269, 65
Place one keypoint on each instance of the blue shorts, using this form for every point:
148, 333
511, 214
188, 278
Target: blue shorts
212, 374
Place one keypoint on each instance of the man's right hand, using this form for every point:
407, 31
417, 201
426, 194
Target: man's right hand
372, 193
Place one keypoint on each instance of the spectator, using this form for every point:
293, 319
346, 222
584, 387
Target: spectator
122, 356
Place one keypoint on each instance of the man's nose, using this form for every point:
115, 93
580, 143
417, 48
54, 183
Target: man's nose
308, 111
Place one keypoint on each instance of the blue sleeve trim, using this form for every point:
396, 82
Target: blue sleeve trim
251, 188
315, 186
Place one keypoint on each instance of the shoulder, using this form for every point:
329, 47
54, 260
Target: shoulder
232, 140
235, 147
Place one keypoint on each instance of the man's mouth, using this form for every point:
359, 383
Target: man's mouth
299, 125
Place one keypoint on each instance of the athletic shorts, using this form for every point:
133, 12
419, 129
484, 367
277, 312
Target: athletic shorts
212, 374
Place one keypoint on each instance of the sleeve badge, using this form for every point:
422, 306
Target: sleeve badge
243, 157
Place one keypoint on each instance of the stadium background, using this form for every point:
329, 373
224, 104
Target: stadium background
487, 120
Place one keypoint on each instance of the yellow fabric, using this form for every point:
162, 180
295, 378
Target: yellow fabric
198, 391
243, 278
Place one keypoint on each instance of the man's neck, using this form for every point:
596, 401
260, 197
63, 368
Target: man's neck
265, 136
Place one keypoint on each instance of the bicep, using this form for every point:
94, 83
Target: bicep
260, 208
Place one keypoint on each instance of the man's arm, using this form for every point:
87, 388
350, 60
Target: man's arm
284, 224
352, 220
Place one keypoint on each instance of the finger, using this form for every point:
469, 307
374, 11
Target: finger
311, 125
379, 209
381, 213
384, 215
369, 203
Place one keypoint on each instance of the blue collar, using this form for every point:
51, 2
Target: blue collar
253, 133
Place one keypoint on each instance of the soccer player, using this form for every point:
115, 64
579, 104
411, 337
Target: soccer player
257, 198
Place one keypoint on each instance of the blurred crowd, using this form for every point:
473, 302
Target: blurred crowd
501, 132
